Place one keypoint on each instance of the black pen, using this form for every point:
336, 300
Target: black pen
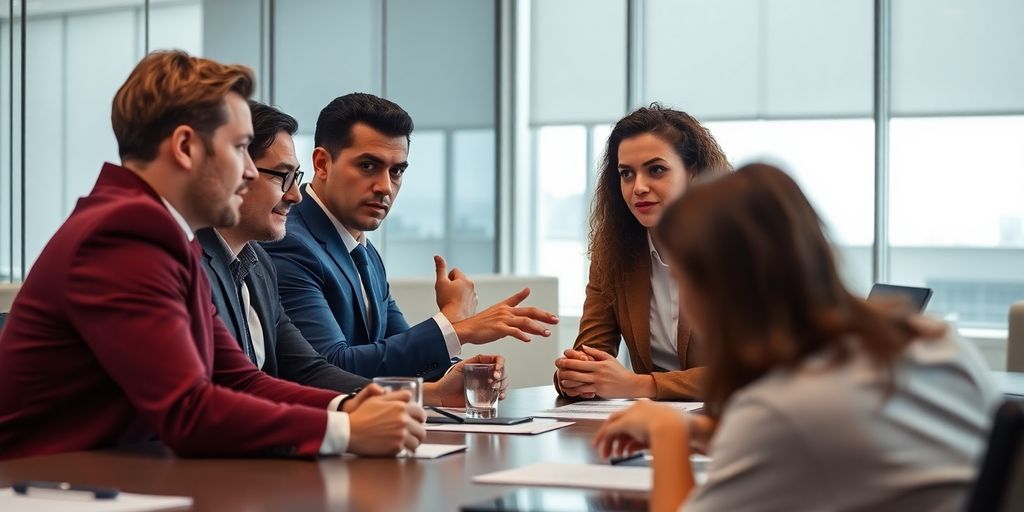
445, 413
620, 460
46, 489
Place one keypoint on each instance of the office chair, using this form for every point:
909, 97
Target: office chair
1015, 339
1000, 483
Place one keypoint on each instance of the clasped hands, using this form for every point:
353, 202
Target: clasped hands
589, 372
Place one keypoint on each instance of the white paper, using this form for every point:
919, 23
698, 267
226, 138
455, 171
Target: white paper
124, 502
530, 427
586, 476
433, 451
602, 409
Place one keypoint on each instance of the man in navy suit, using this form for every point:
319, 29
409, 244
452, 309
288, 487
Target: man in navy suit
332, 280
244, 281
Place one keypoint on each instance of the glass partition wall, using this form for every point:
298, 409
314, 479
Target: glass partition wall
513, 101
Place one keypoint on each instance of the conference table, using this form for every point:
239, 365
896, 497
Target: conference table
338, 483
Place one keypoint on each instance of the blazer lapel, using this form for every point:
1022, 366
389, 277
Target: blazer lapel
323, 230
222, 274
637, 285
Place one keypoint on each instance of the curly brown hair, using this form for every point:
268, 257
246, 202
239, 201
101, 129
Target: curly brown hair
617, 239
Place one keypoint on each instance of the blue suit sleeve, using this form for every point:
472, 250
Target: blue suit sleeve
318, 306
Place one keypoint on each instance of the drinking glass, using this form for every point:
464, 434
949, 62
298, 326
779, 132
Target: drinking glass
481, 397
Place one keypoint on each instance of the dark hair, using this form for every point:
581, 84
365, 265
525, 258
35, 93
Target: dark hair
168, 89
617, 239
752, 249
267, 121
334, 125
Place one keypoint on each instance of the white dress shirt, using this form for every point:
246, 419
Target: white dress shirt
451, 339
664, 313
338, 430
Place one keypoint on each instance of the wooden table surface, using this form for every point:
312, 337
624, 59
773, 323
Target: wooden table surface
333, 483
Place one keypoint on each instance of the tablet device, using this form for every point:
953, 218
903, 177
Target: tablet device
561, 500
916, 298
479, 421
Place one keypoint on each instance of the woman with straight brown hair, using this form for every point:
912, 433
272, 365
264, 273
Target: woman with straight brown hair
821, 400
651, 157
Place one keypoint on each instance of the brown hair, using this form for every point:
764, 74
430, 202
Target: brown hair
168, 89
617, 239
752, 249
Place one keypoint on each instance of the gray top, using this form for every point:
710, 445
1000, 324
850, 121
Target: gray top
824, 437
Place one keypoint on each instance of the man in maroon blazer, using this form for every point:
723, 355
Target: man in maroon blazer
113, 338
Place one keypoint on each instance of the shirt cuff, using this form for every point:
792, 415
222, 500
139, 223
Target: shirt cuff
338, 432
451, 340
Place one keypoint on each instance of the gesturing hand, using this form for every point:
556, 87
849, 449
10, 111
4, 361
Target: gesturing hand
505, 319
455, 293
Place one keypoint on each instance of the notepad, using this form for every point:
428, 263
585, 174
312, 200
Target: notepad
602, 409
124, 502
432, 451
585, 476
530, 428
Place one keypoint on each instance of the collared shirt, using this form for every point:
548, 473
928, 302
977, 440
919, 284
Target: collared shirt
664, 313
179, 219
451, 339
241, 265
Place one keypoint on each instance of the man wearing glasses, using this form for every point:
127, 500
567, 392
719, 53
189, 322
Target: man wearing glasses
244, 281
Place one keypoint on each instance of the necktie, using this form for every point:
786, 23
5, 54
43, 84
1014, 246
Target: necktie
361, 258
240, 267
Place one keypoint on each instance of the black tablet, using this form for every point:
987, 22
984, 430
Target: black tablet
916, 298
479, 421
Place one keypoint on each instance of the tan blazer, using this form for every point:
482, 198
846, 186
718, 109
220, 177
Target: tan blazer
629, 318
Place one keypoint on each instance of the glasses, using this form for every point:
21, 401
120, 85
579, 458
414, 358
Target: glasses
287, 178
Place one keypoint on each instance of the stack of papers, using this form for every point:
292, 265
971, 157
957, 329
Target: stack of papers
124, 502
587, 476
602, 409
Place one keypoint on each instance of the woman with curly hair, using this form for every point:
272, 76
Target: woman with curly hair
651, 157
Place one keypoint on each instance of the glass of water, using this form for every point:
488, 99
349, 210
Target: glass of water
412, 384
481, 397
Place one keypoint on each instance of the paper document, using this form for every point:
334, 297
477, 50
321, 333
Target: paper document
124, 502
587, 476
432, 451
602, 409
530, 427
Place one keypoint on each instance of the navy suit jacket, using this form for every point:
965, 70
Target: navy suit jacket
321, 292
288, 355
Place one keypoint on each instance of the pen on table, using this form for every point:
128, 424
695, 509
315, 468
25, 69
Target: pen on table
34, 488
620, 460
443, 412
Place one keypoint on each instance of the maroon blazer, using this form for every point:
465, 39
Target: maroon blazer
114, 338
